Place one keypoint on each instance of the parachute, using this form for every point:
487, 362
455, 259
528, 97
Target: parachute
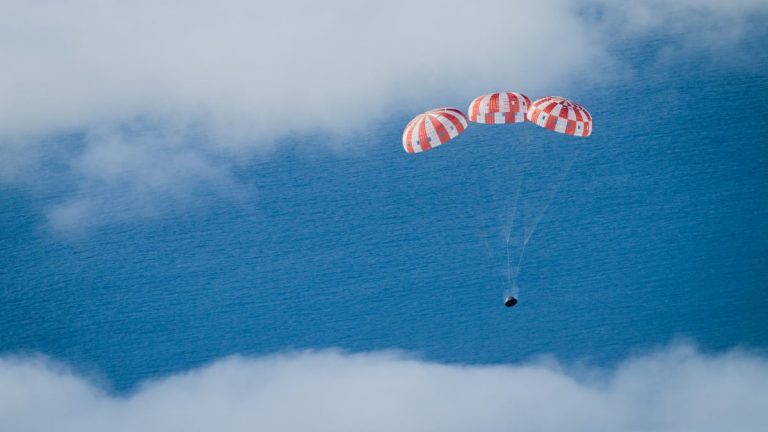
433, 128
561, 115
499, 108
554, 113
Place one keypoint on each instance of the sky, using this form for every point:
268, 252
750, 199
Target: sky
116, 114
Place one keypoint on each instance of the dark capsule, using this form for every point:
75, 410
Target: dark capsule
510, 301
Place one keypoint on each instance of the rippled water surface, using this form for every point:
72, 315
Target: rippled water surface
659, 231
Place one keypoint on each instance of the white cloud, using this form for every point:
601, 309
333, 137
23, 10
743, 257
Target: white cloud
239, 74
219, 81
255, 70
656, 16
677, 389
123, 174
713, 28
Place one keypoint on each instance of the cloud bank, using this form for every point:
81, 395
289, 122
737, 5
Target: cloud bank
199, 86
677, 389
255, 70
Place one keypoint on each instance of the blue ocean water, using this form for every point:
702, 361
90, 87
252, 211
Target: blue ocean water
659, 232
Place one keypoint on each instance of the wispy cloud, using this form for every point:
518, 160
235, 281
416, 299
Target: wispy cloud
220, 81
685, 28
124, 174
677, 389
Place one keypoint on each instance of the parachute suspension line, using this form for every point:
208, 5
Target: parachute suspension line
519, 261
520, 186
512, 214
509, 269
529, 230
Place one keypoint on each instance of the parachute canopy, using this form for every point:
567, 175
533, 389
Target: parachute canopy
561, 115
499, 108
433, 128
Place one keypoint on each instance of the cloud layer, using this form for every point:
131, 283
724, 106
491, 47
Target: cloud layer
677, 389
255, 70
199, 86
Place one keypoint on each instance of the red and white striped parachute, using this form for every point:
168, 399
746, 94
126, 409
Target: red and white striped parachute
499, 108
433, 128
561, 115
